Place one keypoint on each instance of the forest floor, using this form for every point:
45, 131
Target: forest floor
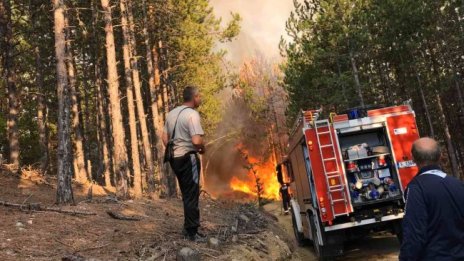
45, 235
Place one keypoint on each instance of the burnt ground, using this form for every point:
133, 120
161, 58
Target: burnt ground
44, 235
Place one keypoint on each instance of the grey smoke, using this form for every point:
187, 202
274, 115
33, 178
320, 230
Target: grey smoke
263, 23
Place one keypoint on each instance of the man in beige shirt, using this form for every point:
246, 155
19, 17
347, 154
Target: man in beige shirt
184, 121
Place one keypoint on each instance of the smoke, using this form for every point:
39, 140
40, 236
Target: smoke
263, 23
223, 160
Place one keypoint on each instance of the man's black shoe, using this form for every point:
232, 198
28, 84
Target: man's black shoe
197, 238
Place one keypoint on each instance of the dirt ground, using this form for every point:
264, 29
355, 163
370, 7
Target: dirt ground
377, 246
32, 235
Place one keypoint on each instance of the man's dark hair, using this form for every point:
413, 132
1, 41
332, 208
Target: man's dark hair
189, 93
426, 155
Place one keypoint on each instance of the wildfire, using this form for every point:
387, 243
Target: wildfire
265, 171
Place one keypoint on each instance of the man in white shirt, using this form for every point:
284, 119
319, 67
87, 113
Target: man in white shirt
184, 121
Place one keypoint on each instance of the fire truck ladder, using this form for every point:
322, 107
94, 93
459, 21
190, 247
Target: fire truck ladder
333, 174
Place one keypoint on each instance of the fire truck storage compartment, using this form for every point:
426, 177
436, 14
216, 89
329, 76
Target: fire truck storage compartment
369, 166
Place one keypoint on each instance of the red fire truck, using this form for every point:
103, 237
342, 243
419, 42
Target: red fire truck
348, 174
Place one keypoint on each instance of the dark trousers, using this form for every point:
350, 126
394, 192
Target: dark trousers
187, 169
285, 198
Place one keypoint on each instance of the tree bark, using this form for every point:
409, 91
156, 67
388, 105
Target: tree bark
64, 192
426, 107
102, 131
139, 100
153, 74
10, 73
356, 79
119, 152
130, 103
41, 112
449, 142
79, 159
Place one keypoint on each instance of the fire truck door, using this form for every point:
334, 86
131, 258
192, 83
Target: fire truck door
403, 132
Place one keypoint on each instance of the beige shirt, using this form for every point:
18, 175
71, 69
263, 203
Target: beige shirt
188, 124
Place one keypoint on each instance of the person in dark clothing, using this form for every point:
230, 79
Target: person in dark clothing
184, 128
285, 197
433, 224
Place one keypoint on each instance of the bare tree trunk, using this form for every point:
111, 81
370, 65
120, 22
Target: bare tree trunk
356, 79
79, 160
159, 88
459, 92
64, 192
164, 79
449, 142
102, 131
119, 152
426, 107
153, 73
130, 103
10, 73
139, 99
103, 138
41, 113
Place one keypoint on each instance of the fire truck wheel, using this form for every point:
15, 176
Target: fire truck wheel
300, 239
318, 249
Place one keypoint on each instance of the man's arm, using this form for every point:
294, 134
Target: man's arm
197, 132
414, 225
197, 141
164, 136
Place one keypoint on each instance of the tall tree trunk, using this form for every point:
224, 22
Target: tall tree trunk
102, 131
164, 78
168, 173
342, 83
356, 79
449, 142
10, 73
85, 119
64, 192
79, 160
459, 93
153, 74
139, 99
159, 87
41, 112
130, 103
119, 152
426, 107
103, 136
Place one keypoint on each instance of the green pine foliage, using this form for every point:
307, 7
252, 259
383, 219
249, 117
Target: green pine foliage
399, 48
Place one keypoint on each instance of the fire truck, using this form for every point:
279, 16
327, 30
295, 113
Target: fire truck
348, 174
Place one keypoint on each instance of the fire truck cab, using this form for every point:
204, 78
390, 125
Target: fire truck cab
348, 174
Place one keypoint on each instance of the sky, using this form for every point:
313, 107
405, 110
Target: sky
263, 23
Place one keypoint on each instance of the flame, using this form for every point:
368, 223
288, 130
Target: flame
265, 171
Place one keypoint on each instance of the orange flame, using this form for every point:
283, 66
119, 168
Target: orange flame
266, 174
